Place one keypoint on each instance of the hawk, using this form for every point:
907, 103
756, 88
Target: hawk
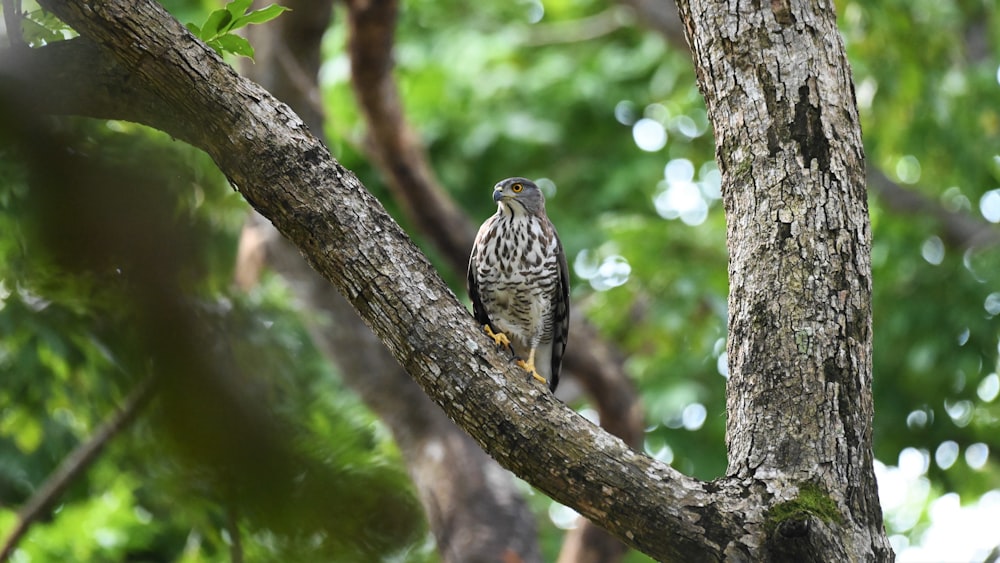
519, 281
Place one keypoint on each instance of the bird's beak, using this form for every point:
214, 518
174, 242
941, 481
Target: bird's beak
497, 193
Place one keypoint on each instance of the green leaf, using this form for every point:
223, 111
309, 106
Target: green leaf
238, 7
193, 28
35, 33
216, 46
260, 16
235, 44
216, 24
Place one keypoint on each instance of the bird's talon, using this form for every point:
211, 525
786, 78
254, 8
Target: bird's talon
532, 373
499, 338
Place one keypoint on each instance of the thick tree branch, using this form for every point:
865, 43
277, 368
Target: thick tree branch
396, 148
473, 507
344, 233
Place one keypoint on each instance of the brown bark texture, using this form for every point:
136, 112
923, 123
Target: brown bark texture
403, 161
789, 148
780, 98
472, 505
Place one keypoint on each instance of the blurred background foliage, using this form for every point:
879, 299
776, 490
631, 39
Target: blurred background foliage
607, 115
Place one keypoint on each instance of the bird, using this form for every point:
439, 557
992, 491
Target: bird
518, 280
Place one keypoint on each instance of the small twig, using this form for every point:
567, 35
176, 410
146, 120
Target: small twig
12, 21
76, 463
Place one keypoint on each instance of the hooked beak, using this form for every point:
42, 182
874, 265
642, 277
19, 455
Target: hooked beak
497, 194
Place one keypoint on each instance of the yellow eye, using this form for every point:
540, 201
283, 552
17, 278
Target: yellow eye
516, 188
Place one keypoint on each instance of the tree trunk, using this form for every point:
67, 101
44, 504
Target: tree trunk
800, 485
779, 94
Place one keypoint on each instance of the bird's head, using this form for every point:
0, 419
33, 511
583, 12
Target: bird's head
519, 195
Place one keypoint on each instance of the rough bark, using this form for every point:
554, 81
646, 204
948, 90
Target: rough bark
396, 149
779, 94
404, 162
474, 510
343, 232
473, 507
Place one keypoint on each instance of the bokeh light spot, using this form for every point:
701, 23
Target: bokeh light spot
605, 274
989, 387
946, 454
547, 186
663, 453
960, 412
908, 169
976, 455
564, 517
711, 182
685, 126
722, 365
681, 200
625, 112
989, 206
992, 303
649, 135
536, 10
913, 462
954, 200
933, 250
694, 415
679, 170
916, 419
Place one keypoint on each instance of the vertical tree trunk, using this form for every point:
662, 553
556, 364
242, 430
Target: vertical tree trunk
780, 98
801, 486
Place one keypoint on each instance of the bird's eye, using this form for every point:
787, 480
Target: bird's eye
516, 188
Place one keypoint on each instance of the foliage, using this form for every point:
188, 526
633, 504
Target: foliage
615, 123
217, 31
239, 429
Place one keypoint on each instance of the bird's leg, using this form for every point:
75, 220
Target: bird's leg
529, 366
499, 338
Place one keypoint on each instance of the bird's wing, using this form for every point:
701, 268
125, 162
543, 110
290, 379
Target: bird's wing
560, 319
472, 283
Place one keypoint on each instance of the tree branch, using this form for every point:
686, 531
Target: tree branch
345, 234
76, 463
474, 508
959, 230
396, 149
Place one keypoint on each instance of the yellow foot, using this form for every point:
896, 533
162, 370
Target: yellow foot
499, 338
529, 366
